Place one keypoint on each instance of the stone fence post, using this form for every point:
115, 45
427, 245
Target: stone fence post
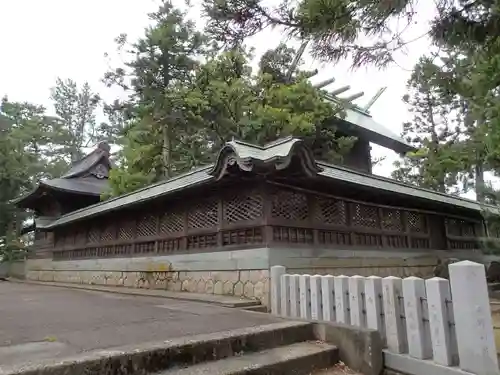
276, 273
473, 322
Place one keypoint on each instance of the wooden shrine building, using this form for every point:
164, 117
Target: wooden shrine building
78, 188
219, 229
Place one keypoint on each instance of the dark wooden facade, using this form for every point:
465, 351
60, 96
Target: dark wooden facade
359, 157
265, 214
272, 196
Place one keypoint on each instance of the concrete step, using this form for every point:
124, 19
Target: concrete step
146, 358
295, 359
178, 352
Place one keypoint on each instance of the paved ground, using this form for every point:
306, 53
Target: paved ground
38, 322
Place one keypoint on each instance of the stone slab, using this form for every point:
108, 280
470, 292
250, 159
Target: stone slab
403, 363
220, 300
210, 261
86, 320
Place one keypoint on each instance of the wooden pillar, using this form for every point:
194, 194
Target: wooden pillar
220, 220
348, 211
185, 214
406, 227
267, 212
437, 230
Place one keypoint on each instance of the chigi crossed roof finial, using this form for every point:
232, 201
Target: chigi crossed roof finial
358, 120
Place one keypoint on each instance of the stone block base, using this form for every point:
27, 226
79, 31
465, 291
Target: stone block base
423, 271
249, 284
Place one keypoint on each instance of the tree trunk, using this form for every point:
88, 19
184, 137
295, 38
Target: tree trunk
167, 151
479, 176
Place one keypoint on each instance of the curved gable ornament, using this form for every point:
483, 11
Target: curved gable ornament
100, 171
238, 156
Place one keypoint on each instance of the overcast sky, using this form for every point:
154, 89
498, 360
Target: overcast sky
43, 40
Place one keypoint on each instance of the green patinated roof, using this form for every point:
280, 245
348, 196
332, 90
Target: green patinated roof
246, 155
387, 184
181, 182
360, 123
376, 132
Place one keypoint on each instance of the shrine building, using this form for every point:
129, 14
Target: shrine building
220, 228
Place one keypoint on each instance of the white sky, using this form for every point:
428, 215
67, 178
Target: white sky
43, 40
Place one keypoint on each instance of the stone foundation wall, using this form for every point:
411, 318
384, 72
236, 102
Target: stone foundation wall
364, 262
252, 284
243, 273
373, 267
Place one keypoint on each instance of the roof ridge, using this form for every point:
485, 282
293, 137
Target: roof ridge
145, 188
280, 141
266, 146
244, 143
397, 182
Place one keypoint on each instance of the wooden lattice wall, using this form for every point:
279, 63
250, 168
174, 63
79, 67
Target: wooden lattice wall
241, 218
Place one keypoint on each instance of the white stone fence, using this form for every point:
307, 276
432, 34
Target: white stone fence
434, 325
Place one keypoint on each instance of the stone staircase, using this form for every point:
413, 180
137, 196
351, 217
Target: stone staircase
283, 348
298, 358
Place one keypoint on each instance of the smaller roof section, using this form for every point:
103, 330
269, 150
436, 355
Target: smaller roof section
96, 163
363, 125
87, 176
278, 155
360, 123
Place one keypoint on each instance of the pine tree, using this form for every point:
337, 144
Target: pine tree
15, 168
224, 100
340, 28
433, 131
158, 68
76, 109
39, 137
448, 133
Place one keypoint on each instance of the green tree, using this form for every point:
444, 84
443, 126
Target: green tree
14, 176
226, 100
340, 28
447, 131
157, 70
264, 106
467, 30
434, 130
40, 137
76, 109
12, 249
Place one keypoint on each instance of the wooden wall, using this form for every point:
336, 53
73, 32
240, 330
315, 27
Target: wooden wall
257, 216
358, 157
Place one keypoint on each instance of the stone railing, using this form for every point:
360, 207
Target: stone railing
429, 326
